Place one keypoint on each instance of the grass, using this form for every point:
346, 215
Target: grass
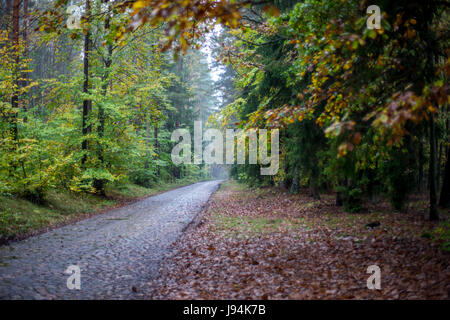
323, 215
442, 235
19, 217
239, 226
128, 191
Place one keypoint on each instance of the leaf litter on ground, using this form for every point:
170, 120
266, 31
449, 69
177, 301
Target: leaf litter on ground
269, 244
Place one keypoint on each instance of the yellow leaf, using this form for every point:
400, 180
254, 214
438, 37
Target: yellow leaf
139, 4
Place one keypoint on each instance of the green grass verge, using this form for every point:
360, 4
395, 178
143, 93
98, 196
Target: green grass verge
19, 217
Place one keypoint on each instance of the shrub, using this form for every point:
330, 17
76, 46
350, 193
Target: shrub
143, 177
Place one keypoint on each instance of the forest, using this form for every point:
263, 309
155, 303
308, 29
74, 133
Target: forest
91, 91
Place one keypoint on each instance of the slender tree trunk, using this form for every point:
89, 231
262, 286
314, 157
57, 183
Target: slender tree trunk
438, 168
108, 63
99, 183
87, 104
444, 200
314, 188
339, 195
434, 215
285, 182
8, 6
420, 177
314, 184
155, 137
5, 17
15, 95
25, 51
147, 135
429, 75
25, 26
295, 182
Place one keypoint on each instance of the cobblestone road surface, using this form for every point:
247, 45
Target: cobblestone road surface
118, 252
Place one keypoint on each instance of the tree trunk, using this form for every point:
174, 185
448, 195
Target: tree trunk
25, 51
87, 104
285, 182
5, 22
314, 189
8, 6
295, 187
421, 162
444, 200
155, 137
429, 75
147, 136
434, 215
108, 63
25, 26
438, 167
99, 183
314, 184
15, 95
339, 195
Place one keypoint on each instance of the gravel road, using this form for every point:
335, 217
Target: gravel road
117, 252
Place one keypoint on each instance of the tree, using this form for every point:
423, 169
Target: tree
107, 60
372, 92
87, 103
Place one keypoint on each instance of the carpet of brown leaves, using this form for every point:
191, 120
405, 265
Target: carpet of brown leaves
269, 244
